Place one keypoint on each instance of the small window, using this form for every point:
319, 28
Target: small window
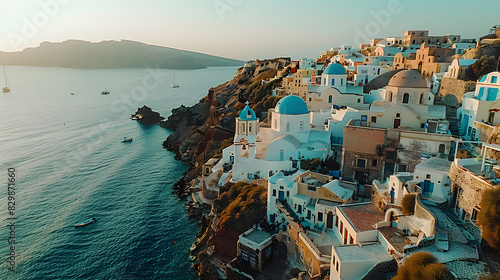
427, 176
475, 211
320, 217
274, 192
406, 98
398, 115
402, 168
374, 119
374, 162
361, 163
441, 148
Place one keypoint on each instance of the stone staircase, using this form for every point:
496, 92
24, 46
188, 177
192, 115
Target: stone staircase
451, 116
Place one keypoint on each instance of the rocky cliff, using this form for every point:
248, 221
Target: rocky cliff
204, 129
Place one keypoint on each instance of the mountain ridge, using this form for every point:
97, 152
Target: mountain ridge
112, 54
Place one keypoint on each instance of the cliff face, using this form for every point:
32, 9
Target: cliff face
200, 130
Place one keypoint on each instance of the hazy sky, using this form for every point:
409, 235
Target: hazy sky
241, 29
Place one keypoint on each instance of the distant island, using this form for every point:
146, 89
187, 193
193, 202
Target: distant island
112, 54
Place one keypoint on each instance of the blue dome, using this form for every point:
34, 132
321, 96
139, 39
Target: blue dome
334, 69
247, 114
292, 105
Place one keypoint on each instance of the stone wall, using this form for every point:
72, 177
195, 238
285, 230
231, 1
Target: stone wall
471, 187
451, 91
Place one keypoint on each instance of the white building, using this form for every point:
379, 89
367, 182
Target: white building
458, 67
480, 106
312, 196
261, 152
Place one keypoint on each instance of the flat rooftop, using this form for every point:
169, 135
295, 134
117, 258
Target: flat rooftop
363, 216
328, 202
404, 177
395, 236
436, 164
258, 236
355, 253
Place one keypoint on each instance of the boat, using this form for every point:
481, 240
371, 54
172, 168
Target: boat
125, 139
6, 88
72, 94
86, 222
105, 92
193, 247
174, 85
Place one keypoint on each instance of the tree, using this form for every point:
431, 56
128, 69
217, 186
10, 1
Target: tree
422, 266
489, 217
408, 203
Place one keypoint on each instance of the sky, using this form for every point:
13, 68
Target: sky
240, 29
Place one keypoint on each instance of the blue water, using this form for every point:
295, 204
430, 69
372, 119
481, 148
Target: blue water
70, 165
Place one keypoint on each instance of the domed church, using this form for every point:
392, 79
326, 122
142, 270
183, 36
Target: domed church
260, 152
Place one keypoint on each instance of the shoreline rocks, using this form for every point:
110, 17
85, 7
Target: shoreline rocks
147, 116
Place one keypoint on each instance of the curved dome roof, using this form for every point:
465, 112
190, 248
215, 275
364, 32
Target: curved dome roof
334, 69
408, 79
247, 114
291, 105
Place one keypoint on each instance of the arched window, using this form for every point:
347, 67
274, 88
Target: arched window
390, 96
310, 266
250, 128
441, 148
406, 98
421, 98
330, 99
282, 155
242, 128
275, 124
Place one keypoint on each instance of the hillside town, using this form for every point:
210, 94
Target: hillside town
369, 155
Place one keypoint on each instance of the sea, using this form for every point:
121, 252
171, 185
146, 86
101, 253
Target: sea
60, 139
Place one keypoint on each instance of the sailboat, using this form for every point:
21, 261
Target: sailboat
6, 88
173, 81
105, 92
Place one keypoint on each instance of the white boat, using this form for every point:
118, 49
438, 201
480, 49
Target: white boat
6, 88
174, 85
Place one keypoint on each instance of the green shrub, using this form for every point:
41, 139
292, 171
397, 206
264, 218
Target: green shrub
422, 266
489, 217
408, 203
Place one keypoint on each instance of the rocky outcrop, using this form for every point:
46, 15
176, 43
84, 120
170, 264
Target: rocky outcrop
451, 91
199, 130
147, 116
